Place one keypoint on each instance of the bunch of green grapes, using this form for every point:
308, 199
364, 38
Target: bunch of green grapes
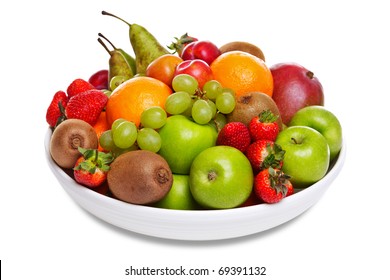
202, 105
125, 136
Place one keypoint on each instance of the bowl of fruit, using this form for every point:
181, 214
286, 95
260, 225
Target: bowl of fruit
194, 141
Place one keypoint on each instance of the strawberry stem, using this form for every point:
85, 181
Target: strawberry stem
267, 116
278, 180
62, 117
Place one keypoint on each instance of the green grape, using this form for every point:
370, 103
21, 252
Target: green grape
212, 88
117, 151
107, 92
185, 82
177, 102
229, 90
213, 107
125, 134
154, 117
149, 139
225, 102
201, 111
219, 121
116, 123
106, 141
116, 81
188, 112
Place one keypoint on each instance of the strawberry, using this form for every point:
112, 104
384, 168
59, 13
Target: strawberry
54, 114
290, 189
234, 134
78, 86
86, 106
264, 126
91, 168
263, 154
180, 43
271, 185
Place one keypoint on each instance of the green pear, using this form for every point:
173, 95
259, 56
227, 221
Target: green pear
145, 45
120, 63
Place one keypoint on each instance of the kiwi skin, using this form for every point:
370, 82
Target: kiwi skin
243, 46
140, 177
251, 105
67, 137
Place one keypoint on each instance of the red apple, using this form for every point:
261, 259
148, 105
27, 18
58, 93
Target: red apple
197, 68
295, 87
204, 50
99, 79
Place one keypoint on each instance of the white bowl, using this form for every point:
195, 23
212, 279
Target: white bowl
194, 224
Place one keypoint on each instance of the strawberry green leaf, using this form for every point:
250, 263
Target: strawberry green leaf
267, 116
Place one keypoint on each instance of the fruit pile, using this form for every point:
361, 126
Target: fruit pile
193, 125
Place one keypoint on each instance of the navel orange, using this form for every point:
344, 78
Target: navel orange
243, 73
101, 125
132, 97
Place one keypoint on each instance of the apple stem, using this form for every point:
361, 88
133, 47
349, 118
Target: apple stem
294, 140
212, 176
310, 74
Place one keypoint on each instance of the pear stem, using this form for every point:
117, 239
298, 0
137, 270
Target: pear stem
105, 38
104, 45
109, 14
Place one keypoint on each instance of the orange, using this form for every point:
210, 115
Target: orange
132, 97
243, 73
100, 126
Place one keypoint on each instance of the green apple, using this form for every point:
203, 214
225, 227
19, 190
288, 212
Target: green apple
182, 140
325, 122
307, 155
179, 197
221, 177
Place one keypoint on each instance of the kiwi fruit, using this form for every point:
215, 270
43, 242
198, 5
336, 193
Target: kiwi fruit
251, 105
67, 137
139, 177
243, 46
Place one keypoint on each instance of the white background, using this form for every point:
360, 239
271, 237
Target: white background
47, 44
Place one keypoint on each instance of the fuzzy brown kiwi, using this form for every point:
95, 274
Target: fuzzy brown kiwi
251, 105
243, 46
140, 177
66, 139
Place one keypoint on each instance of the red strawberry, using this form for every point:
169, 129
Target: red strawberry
263, 154
86, 106
78, 86
180, 43
252, 200
54, 111
264, 126
234, 134
91, 168
290, 189
271, 185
